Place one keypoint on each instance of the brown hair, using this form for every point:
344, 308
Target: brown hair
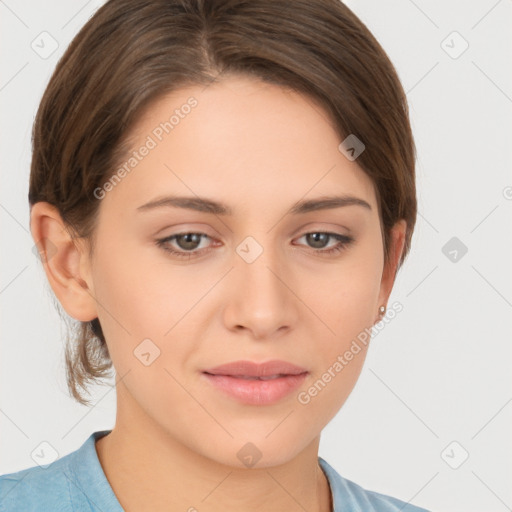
132, 52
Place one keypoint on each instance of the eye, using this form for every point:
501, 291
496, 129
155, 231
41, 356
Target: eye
319, 238
188, 243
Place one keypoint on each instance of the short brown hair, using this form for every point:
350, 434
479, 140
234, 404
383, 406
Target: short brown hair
133, 52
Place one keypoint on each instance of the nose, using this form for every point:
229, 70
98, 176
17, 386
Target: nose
261, 299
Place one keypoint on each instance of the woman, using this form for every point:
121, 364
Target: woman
222, 193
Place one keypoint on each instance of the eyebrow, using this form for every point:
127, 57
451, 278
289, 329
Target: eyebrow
202, 204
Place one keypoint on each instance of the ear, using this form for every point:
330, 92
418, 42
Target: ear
65, 262
397, 241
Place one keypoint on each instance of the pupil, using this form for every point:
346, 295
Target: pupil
191, 240
316, 237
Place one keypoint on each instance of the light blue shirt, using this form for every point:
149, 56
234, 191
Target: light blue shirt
76, 483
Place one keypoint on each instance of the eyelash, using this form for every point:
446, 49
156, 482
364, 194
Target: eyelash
343, 242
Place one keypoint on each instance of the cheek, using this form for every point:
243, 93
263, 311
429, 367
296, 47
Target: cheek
126, 309
345, 300
134, 287
142, 296
341, 356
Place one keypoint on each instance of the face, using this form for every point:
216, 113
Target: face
180, 290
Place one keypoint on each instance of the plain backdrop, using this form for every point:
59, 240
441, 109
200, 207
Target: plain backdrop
430, 418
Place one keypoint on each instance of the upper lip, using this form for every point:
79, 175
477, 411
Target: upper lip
253, 369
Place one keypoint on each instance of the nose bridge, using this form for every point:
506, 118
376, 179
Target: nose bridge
260, 301
258, 264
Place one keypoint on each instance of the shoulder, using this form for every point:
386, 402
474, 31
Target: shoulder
351, 497
37, 488
74, 482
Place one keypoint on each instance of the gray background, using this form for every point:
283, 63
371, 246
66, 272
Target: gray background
438, 373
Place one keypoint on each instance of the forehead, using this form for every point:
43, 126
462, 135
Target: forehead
239, 140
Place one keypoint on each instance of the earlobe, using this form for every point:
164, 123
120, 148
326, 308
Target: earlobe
62, 257
397, 242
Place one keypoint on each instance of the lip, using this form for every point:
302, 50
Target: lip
253, 369
229, 378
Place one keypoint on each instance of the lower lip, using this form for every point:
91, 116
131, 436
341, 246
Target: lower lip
257, 392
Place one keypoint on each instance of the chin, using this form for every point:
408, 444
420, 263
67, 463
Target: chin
256, 451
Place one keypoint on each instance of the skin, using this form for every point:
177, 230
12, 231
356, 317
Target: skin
258, 148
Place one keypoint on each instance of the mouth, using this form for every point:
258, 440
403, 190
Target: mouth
256, 384
252, 377
249, 369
